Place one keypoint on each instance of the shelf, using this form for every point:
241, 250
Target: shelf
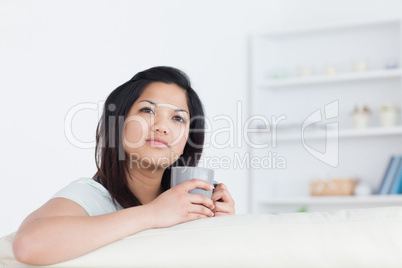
379, 131
349, 133
277, 56
325, 27
342, 77
335, 200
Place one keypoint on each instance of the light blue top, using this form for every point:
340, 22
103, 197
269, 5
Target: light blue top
90, 195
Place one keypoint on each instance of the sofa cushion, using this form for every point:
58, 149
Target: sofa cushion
344, 238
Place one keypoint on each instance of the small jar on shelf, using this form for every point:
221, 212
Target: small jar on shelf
389, 114
361, 116
360, 66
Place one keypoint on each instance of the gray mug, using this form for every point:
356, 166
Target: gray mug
182, 174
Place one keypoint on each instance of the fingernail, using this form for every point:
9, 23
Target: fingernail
212, 187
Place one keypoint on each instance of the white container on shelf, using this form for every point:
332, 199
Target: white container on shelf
363, 189
305, 71
360, 66
361, 121
389, 114
361, 117
331, 70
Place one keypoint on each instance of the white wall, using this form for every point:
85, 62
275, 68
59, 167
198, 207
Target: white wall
57, 54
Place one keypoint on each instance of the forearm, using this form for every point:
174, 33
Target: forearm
56, 239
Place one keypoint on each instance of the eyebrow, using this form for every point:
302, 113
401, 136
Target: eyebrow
156, 105
151, 102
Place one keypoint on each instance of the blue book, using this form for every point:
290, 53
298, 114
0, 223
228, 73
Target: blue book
381, 188
389, 176
397, 183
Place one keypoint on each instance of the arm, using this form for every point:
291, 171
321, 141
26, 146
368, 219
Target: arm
61, 229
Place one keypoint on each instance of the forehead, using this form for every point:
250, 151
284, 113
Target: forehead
162, 93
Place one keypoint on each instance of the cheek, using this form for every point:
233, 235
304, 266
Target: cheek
135, 132
180, 136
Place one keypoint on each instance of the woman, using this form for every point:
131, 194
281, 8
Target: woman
150, 123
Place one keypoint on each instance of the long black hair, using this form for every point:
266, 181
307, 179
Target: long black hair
110, 156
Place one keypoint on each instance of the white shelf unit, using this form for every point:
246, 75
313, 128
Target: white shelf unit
362, 153
342, 77
291, 204
347, 133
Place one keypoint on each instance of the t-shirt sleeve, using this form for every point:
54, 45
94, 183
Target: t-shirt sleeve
90, 195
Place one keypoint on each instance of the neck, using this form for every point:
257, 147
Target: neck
145, 184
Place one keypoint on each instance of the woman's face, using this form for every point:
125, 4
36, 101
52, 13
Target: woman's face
157, 127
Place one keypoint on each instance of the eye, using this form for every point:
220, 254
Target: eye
147, 110
179, 119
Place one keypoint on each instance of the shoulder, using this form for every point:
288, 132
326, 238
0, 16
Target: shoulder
89, 194
88, 184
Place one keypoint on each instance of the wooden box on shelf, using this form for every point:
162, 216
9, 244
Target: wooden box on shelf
333, 187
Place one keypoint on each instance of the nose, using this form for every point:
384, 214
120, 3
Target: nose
162, 130
159, 126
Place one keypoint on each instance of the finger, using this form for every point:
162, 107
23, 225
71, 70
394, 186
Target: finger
216, 195
196, 216
226, 196
223, 208
221, 186
196, 183
199, 209
218, 188
222, 193
203, 200
217, 214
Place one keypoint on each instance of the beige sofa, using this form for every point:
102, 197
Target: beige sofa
344, 238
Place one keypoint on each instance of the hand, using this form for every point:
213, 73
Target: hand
176, 205
223, 201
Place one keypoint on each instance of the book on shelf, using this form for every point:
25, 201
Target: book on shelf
392, 179
396, 187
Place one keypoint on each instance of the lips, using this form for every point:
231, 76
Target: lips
157, 142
